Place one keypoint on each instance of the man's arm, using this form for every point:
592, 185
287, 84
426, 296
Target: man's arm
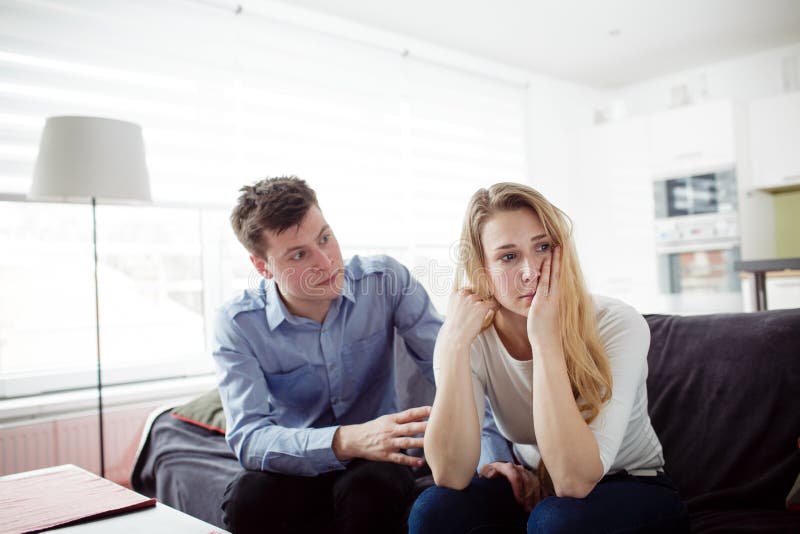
415, 317
494, 447
262, 444
252, 430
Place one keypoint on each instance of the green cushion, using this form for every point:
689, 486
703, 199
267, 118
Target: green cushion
205, 411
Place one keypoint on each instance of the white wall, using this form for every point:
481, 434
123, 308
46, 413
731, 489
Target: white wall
556, 112
741, 80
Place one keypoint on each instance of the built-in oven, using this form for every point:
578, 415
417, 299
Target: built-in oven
699, 194
698, 241
699, 268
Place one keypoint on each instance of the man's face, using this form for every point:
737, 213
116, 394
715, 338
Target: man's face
305, 261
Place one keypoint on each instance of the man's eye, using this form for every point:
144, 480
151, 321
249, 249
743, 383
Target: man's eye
299, 255
508, 257
325, 239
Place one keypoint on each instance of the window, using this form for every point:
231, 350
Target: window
223, 100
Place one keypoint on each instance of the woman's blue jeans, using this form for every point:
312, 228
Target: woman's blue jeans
620, 503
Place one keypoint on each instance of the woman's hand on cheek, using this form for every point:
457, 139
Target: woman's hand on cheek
543, 315
467, 314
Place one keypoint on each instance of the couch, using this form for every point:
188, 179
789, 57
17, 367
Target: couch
724, 398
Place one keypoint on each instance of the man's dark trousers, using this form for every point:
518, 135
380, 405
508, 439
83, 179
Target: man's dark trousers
366, 497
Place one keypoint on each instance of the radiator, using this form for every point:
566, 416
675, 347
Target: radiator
75, 440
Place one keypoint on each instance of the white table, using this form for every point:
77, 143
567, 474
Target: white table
154, 520
151, 520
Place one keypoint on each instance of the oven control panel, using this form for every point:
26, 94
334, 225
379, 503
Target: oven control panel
703, 230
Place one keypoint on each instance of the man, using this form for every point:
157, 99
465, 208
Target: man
306, 369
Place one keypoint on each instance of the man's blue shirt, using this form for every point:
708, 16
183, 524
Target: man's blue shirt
288, 382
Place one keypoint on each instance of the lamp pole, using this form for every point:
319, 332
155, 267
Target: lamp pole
97, 335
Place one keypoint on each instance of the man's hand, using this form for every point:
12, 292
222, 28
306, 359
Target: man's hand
382, 439
524, 483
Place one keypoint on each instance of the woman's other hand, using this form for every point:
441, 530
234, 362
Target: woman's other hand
524, 482
467, 315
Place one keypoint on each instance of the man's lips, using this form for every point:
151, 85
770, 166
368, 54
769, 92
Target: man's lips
328, 280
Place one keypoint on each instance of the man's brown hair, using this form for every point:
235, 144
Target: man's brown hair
274, 204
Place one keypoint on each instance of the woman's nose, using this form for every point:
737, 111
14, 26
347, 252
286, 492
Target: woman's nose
528, 272
527, 276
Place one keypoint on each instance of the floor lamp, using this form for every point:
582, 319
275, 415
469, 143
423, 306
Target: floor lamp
89, 159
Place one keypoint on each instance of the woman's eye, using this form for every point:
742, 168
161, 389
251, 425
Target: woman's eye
508, 257
543, 247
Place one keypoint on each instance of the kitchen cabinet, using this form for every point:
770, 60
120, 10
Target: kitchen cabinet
775, 142
614, 212
690, 139
782, 289
776, 281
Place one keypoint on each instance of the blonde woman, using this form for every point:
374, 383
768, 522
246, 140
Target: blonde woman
564, 373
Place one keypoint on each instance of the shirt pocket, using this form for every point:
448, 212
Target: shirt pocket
365, 360
366, 345
299, 388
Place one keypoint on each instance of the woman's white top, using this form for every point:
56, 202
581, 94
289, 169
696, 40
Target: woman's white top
625, 437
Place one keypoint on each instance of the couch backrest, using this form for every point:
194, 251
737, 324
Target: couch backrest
724, 395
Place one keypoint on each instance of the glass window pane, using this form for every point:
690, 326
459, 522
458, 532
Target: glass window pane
150, 294
47, 313
151, 291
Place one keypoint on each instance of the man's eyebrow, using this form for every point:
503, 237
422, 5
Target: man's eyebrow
298, 247
510, 245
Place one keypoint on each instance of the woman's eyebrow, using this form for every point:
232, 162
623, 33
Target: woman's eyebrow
510, 245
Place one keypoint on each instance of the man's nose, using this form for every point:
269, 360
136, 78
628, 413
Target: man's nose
322, 260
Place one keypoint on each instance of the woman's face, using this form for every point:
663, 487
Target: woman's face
515, 246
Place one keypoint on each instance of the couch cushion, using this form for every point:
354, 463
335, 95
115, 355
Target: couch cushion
744, 521
204, 411
723, 392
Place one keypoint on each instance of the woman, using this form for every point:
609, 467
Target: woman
564, 373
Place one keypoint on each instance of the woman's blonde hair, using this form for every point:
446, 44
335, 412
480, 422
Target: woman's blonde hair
587, 362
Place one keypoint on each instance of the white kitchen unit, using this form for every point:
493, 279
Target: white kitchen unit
691, 139
775, 142
693, 165
657, 215
614, 213
783, 291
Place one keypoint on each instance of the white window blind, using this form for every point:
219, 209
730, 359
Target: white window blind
393, 145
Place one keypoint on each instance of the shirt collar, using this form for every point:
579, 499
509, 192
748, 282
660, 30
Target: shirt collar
347, 288
275, 309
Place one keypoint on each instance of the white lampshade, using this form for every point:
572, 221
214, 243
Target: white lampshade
91, 157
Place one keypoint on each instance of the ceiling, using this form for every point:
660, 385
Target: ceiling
599, 43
